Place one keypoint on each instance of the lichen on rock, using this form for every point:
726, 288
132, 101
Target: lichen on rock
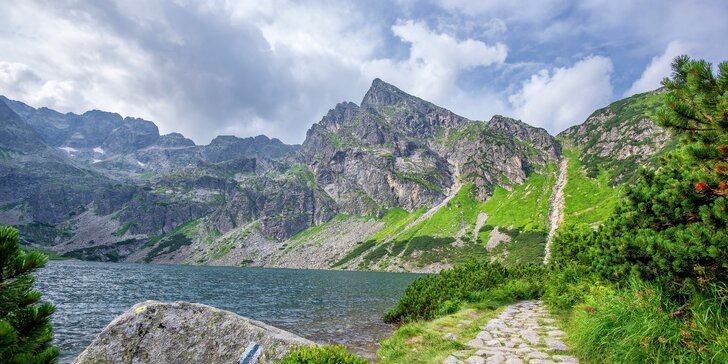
181, 332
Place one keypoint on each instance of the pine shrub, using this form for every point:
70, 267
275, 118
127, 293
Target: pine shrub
25, 328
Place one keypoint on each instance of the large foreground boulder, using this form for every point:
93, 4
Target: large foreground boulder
181, 332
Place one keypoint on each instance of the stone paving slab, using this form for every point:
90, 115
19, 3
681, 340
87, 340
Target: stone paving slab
524, 333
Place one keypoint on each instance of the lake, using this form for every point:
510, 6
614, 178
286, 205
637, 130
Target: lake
323, 306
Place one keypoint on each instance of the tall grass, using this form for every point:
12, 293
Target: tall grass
640, 323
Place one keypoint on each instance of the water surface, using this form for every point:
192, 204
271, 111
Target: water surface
324, 306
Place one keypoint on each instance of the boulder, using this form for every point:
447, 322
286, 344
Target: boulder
181, 332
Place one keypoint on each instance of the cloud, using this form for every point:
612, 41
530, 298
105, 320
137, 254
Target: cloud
202, 70
555, 99
213, 67
659, 68
434, 62
529, 10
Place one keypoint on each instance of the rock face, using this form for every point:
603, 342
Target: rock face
97, 186
620, 137
180, 332
396, 150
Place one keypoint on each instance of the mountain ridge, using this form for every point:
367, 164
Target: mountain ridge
252, 201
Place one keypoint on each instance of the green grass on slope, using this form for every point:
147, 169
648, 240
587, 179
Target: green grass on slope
307, 234
460, 212
395, 220
586, 200
526, 207
524, 247
523, 210
181, 235
430, 240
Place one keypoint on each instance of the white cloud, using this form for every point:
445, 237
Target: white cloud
528, 10
276, 66
563, 97
659, 68
435, 60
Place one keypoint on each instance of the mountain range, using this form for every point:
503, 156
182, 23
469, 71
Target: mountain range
393, 183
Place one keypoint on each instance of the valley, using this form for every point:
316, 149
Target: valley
392, 184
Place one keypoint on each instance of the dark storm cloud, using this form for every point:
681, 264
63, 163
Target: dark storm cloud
219, 75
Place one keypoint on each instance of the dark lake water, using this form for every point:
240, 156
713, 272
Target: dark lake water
324, 306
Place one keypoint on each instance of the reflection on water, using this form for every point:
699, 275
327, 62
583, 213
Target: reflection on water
324, 306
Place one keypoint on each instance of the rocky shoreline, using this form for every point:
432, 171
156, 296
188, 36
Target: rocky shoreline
182, 332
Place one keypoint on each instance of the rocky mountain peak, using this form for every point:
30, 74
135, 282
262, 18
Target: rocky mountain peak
337, 116
15, 134
539, 137
174, 140
383, 94
98, 115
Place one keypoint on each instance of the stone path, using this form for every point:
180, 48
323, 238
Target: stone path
522, 333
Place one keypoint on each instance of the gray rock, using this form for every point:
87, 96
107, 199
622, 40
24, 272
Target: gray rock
496, 358
566, 359
537, 355
475, 360
452, 360
531, 336
181, 332
556, 333
556, 344
484, 335
475, 343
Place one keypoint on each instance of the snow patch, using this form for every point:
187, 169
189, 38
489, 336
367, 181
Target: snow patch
96, 161
141, 164
99, 150
68, 150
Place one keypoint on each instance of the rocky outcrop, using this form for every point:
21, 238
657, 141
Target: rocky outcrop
180, 332
398, 150
621, 137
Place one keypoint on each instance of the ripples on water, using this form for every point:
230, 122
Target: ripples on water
324, 306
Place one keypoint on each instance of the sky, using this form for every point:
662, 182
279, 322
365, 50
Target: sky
206, 67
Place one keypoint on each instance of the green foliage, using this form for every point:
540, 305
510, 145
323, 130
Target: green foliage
123, 229
419, 179
587, 200
360, 248
665, 244
325, 354
102, 253
434, 295
302, 172
25, 328
672, 226
568, 285
526, 206
525, 247
640, 324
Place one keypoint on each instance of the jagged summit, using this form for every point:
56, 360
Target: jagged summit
383, 94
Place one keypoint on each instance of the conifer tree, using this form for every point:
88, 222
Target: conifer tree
672, 225
25, 328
